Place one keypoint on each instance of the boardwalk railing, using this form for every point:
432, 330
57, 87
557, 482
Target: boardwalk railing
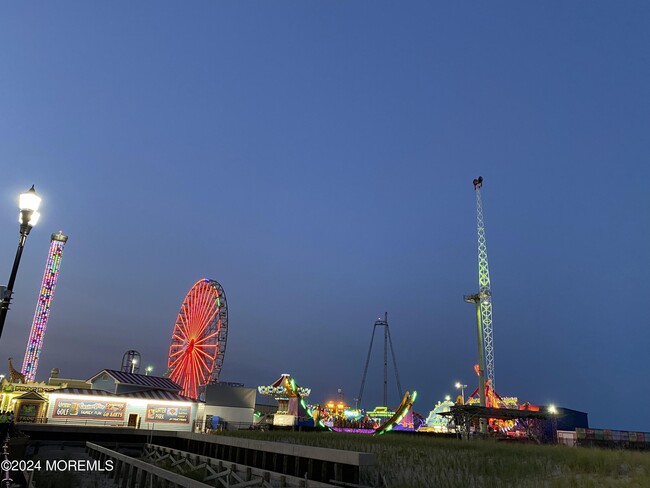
321, 464
222, 473
131, 472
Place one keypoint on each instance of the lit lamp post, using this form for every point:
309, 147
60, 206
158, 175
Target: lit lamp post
148, 370
28, 204
553, 411
133, 363
462, 390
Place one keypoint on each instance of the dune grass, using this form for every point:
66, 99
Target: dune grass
413, 461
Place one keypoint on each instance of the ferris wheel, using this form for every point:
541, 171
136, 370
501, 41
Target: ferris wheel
199, 338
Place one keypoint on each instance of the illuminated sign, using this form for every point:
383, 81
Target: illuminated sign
28, 412
72, 408
168, 413
38, 389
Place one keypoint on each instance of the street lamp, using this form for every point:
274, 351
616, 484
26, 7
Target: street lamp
148, 370
133, 363
28, 204
462, 390
552, 409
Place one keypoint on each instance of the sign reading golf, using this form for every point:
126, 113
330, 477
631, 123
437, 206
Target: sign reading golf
66, 408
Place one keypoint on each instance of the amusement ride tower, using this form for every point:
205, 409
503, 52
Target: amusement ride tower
387, 342
42, 313
484, 292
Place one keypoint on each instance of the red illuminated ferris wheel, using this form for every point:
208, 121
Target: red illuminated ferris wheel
199, 338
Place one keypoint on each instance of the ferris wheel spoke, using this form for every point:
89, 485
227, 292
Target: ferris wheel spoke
180, 338
199, 309
182, 323
206, 368
204, 347
190, 331
211, 306
189, 316
188, 308
175, 358
196, 374
205, 307
178, 353
176, 347
209, 320
198, 355
185, 368
197, 305
194, 380
197, 362
185, 320
206, 338
173, 364
208, 350
195, 330
202, 354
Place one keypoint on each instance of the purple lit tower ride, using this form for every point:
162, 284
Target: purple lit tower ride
42, 313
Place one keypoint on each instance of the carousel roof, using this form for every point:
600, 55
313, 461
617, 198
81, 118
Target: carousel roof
284, 386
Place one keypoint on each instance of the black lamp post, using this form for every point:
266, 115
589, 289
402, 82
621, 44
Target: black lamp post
28, 203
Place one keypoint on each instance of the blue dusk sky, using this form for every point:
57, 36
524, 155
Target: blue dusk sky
316, 158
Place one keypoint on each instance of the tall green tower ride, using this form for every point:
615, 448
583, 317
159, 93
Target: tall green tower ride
484, 291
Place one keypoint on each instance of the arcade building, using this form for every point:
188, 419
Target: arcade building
109, 398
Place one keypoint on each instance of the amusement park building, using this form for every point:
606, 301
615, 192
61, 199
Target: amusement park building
110, 398
568, 419
119, 382
66, 382
229, 404
150, 409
